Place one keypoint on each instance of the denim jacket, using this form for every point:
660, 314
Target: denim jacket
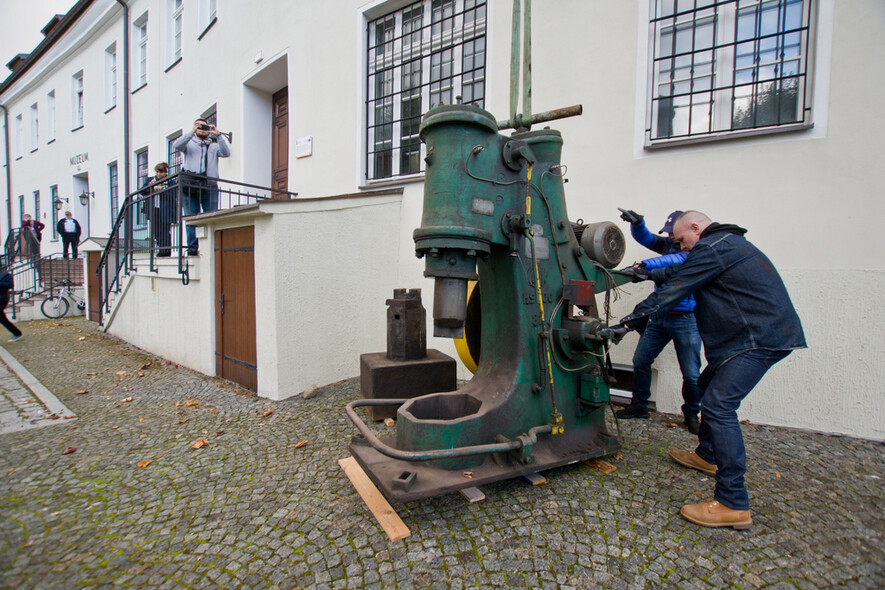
742, 303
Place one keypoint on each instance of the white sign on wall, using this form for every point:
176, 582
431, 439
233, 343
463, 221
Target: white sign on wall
303, 147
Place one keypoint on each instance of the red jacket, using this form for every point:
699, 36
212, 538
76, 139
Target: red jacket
37, 226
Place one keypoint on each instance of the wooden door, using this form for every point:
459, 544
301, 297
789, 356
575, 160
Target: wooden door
280, 148
93, 296
235, 351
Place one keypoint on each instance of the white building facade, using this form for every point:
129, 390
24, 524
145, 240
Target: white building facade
757, 113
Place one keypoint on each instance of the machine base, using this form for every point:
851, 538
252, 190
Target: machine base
381, 377
403, 481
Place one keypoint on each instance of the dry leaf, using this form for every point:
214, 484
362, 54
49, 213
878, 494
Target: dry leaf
141, 374
121, 373
192, 402
55, 417
617, 455
82, 391
467, 474
267, 413
144, 463
141, 419
125, 399
777, 475
146, 365
81, 338
745, 422
68, 416
850, 447
183, 420
200, 442
219, 432
672, 425
69, 450
213, 411
300, 444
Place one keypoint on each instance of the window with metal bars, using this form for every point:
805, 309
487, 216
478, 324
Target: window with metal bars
142, 173
173, 156
428, 53
726, 66
113, 192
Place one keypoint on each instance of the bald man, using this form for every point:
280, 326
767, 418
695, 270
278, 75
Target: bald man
747, 323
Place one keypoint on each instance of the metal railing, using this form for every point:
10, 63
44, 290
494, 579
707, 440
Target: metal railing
150, 224
34, 275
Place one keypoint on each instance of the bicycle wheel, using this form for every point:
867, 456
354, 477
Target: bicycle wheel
54, 307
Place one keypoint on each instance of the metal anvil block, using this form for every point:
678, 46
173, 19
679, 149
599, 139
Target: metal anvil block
385, 378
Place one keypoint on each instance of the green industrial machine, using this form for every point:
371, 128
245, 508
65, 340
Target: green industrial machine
495, 210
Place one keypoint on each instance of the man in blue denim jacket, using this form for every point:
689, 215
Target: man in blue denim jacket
748, 323
677, 325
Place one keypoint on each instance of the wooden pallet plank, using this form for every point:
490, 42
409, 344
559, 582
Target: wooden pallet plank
387, 518
473, 494
535, 479
601, 465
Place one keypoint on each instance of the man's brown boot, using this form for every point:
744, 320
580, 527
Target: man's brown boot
714, 514
691, 459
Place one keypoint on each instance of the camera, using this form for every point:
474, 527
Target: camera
204, 127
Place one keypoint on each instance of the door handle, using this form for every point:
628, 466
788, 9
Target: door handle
222, 303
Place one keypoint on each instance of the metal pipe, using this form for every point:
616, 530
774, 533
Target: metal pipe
527, 65
384, 449
572, 111
514, 62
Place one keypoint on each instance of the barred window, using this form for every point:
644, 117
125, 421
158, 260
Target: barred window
428, 53
113, 191
724, 66
142, 173
173, 156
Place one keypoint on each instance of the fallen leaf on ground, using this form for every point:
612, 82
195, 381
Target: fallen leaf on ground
300, 444
122, 373
141, 374
69, 450
68, 416
146, 365
183, 420
125, 399
200, 442
617, 455
389, 421
193, 402
213, 411
267, 413
127, 389
144, 463
467, 474
81, 338
745, 422
219, 432
850, 447
777, 475
82, 391
672, 425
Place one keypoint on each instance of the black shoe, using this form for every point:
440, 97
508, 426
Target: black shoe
632, 411
193, 253
692, 423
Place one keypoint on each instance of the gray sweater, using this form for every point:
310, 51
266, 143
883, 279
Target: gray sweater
201, 156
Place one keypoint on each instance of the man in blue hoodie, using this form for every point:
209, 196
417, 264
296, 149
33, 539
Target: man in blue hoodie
748, 323
677, 325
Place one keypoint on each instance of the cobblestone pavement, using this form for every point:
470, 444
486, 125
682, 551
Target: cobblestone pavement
22, 407
251, 509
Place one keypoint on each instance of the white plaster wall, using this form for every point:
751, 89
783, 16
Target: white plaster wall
167, 318
326, 267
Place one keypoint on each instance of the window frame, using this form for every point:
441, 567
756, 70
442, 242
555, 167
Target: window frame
174, 31
140, 55
113, 192
174, 158
721, 118
416, 56
19, 139
53, 191
142, 172
208, 15
110, 72
35, 127
50, 116
78, 101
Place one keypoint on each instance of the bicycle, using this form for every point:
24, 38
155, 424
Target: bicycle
56, 306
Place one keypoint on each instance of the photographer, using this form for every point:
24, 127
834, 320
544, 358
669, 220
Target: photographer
202, 147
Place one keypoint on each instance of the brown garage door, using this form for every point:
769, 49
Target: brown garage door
235, 351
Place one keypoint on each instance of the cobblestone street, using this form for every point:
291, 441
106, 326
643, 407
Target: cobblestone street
117, 497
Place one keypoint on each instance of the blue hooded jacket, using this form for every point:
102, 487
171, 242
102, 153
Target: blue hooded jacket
742, 303
671, 254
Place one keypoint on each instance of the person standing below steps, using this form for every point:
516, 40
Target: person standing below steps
202, 146
748, 323
678, 325
6, 284
69, 230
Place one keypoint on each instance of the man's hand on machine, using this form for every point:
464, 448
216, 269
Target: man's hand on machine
614, 333
638, 272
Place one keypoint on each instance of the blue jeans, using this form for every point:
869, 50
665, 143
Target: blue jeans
720, 440
682, 329
196, 194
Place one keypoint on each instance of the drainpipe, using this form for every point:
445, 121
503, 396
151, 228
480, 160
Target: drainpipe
126, 98
8, 166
